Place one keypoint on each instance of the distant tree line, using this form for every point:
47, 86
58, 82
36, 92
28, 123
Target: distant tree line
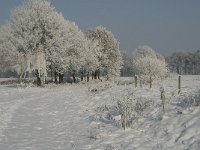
184, 62
180, 62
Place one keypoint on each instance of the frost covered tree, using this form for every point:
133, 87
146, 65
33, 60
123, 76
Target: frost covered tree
108, 54
149, 65
43, 40
29, 34
74, 53
91, 61
9, 53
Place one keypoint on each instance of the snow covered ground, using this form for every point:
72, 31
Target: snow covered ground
71, 117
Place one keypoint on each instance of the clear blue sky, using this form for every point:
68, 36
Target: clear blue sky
165, 25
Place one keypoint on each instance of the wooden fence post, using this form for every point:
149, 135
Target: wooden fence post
162, 96
179, 84
135, 81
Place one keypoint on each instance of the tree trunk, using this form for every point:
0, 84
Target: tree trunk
140, 83
55, 76
74, 78
81, 76
21, 74
20, 78
150, 82
51, 74
61, 78
25, 75
92, 75
39, 83
98, 74
88, 76
95, 74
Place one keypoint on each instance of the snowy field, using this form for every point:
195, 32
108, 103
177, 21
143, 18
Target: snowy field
83, 117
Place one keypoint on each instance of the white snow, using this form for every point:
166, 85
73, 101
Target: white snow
73, 117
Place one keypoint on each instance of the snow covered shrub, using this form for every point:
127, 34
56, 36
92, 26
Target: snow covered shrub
126, 110
189, 100
106, 113
131, 108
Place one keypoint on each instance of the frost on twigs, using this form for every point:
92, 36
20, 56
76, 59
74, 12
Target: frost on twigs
126, 111
187, 101
131, 109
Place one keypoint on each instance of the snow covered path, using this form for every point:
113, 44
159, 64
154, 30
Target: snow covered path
52, 119
63, 117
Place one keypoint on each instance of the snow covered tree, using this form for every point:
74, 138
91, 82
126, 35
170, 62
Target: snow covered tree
27, 33
91, 61
144, 51
8, 51
43, 40
109, 54
147, 65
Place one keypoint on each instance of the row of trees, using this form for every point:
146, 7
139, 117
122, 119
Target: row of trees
38, 38
184, 62
179, 62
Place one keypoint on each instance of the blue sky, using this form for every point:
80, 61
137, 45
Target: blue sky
165, 25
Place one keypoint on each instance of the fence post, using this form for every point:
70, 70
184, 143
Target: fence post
179, 84
162, 92
135, 81
150, 82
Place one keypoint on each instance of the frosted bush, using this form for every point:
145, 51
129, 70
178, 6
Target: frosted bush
131, 108
125, 112
189, 100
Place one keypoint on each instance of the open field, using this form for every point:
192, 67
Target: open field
76, 116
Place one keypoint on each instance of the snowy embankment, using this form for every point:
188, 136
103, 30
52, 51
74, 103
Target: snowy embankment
176, 129
76, 117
